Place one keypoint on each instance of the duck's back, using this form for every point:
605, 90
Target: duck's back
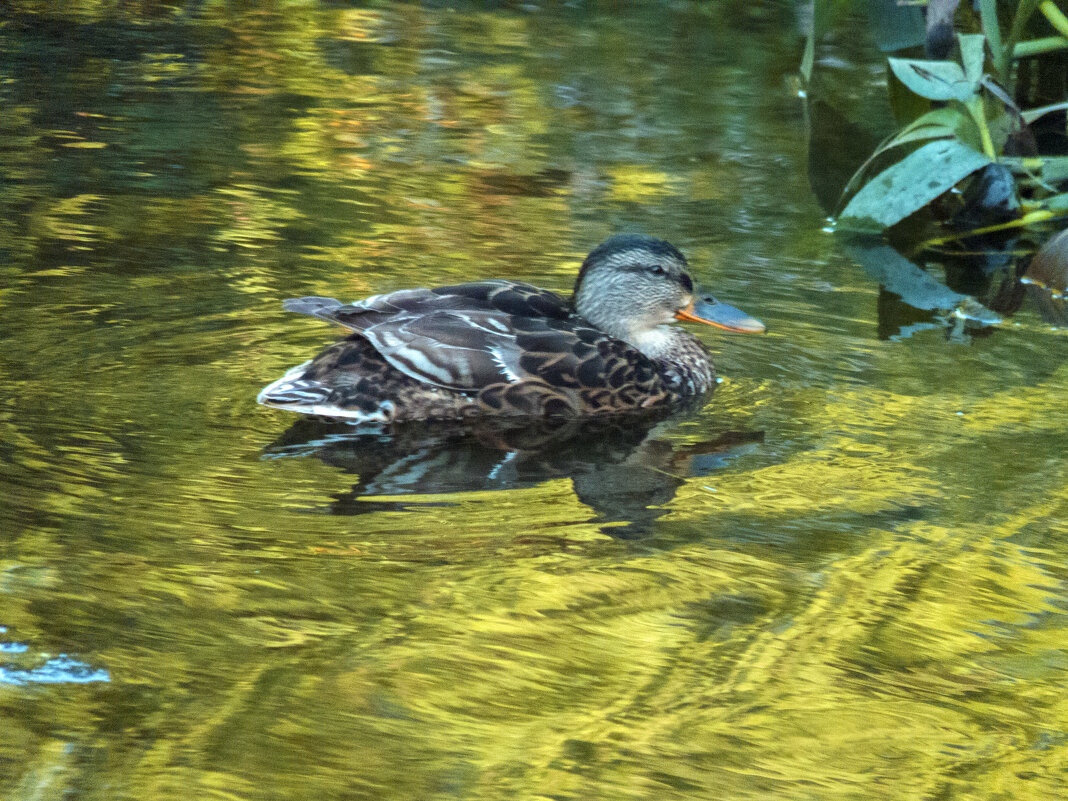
484, 348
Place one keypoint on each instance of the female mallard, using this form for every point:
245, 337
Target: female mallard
494, 348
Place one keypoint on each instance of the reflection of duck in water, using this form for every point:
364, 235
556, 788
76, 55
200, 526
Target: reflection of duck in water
501, 348
622, 466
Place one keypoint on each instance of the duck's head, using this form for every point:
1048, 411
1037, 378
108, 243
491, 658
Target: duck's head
631, 285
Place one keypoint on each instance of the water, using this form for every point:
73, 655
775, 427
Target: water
842, 577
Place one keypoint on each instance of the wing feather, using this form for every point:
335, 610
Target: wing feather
463, 351
495, 333
510, 298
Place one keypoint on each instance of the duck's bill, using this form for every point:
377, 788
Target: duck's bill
722, 315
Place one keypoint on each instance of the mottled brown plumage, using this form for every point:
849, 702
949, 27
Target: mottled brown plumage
504, 348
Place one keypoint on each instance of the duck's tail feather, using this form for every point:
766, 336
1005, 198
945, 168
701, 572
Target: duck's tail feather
295, 393
313, 305
293, 388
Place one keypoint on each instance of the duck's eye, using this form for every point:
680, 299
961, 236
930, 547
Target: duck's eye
658, 269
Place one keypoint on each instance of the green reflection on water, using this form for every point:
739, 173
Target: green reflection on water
866, 603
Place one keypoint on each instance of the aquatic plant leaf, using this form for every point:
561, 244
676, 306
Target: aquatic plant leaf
1054, 169
936, 124
814, 27
808, 59
921, 133
941, 123
1057, 202
1033, 114
988, 10
933, 124
935, 80
1009, 121
972, 53
911, 184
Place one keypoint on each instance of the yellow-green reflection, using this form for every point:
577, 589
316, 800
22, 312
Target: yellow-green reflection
866, 602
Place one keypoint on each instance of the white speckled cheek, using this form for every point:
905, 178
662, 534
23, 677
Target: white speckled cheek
655, 342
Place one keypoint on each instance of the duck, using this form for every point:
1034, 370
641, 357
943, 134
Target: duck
500, 348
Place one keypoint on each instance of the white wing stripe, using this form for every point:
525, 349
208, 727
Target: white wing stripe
419, 363
498, 359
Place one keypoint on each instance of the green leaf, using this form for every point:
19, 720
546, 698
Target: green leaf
1033, 114
821, 15
808, 58
1057, 202
934, 124
973, 56
813, 27
911, 184
941, 123
1054, 169
935, 80
1024, 10
988, 10
921, 133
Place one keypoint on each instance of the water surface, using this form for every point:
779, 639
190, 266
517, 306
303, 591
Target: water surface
841, 577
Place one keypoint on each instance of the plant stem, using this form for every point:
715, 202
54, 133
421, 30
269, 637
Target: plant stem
1023, 13
1034, 47
1028, 219
1055, 16
978, 113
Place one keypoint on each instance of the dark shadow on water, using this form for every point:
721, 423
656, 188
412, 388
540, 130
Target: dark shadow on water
977, 290
624, 468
